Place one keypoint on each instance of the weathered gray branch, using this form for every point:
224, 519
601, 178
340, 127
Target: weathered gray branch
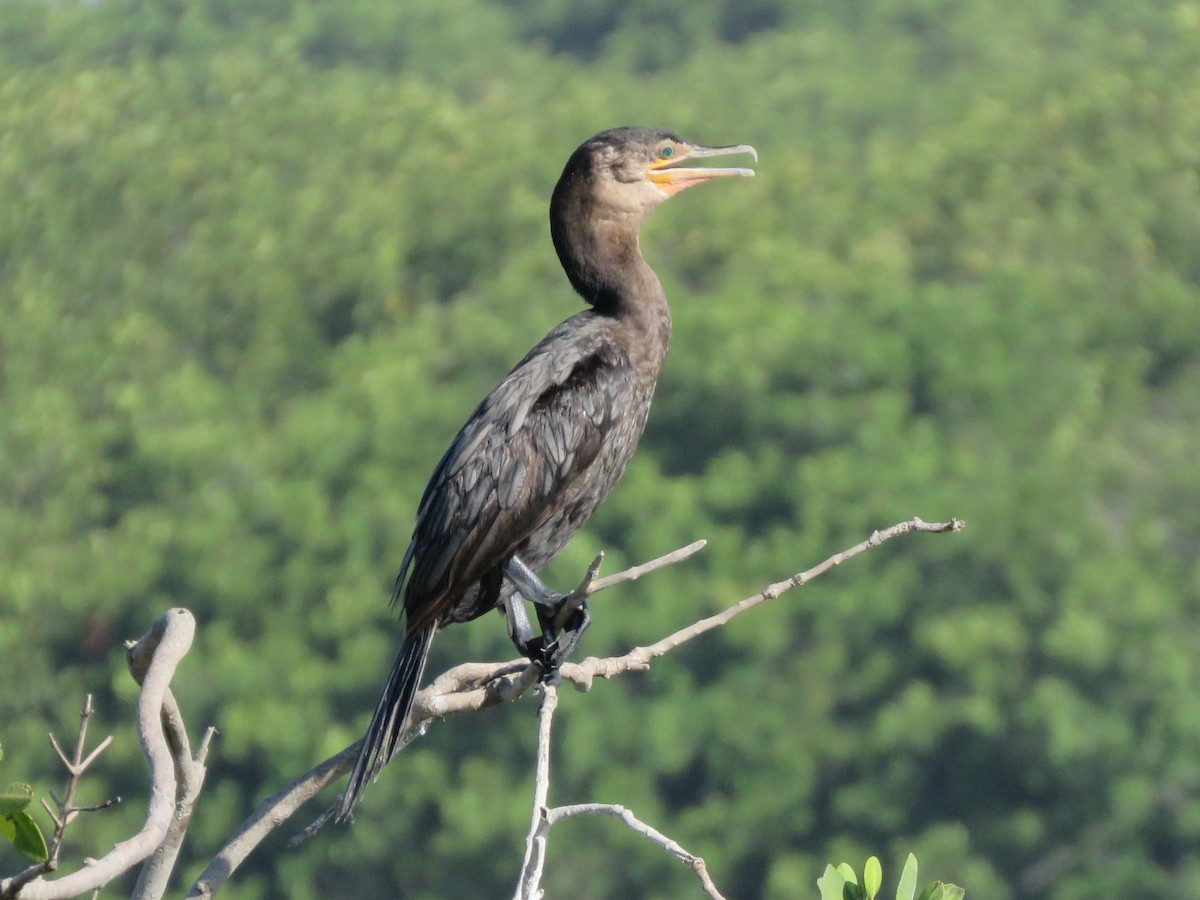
190, 772
534, 864
157, 655
529, 884
269, 815
475, 686
693, 862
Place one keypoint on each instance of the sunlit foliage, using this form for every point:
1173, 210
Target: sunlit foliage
258, 260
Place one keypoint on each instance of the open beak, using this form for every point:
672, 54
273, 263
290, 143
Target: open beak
671, 176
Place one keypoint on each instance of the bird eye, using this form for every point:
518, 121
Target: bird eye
665, 152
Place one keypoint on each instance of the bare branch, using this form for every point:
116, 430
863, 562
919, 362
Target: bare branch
543, 818
591, 585
107, 804
583, 674
269, 815
468, 687
475, 686
504, 689
11, 887
62, 754
157, 654
695, 863
91, 757
75, 766
635, 572
529, 883
438, 700
49, 811
67, 811
190, 772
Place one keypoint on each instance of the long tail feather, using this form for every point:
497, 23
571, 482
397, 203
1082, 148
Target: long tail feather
387, 725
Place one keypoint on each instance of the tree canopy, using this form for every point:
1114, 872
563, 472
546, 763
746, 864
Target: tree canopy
259, 260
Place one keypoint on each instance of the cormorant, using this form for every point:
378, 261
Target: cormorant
543, 450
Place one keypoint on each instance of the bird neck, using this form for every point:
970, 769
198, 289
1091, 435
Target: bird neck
600, 253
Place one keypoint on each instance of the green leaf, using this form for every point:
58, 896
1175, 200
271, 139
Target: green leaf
953, 892
15, 798
848, 873
852, 891
831, 884
28, 837
934, 891
907, 887
1, 751
872, 877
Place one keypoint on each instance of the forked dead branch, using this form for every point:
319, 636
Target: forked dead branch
177, 776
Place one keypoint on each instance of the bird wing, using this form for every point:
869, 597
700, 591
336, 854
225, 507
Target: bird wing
522, 449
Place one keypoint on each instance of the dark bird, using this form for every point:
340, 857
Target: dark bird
543, 450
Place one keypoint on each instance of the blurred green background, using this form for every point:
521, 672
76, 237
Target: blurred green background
259, 259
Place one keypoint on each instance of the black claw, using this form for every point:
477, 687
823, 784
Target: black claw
534, 650
559, 649
579, 621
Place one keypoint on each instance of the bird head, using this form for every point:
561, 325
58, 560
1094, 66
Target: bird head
635, 168
609, 186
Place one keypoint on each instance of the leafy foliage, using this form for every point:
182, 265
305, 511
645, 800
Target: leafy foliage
841, 883
258, 261
17, 826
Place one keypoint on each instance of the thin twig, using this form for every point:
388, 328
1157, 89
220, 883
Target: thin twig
591, 585
49, 811
635, 572
107, 804
62, 754
313, 827
691, 860
574, 600
543, 818
91, 757
76, 765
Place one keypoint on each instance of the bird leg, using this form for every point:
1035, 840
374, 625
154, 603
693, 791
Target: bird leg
533, 588
553, 647
519, 627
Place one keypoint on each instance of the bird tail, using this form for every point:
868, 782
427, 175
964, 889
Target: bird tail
383, 735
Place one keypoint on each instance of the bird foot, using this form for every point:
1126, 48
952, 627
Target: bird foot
551, 648
563, 619
559, 648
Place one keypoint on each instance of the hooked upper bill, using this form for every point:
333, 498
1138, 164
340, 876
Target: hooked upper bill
670, 175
